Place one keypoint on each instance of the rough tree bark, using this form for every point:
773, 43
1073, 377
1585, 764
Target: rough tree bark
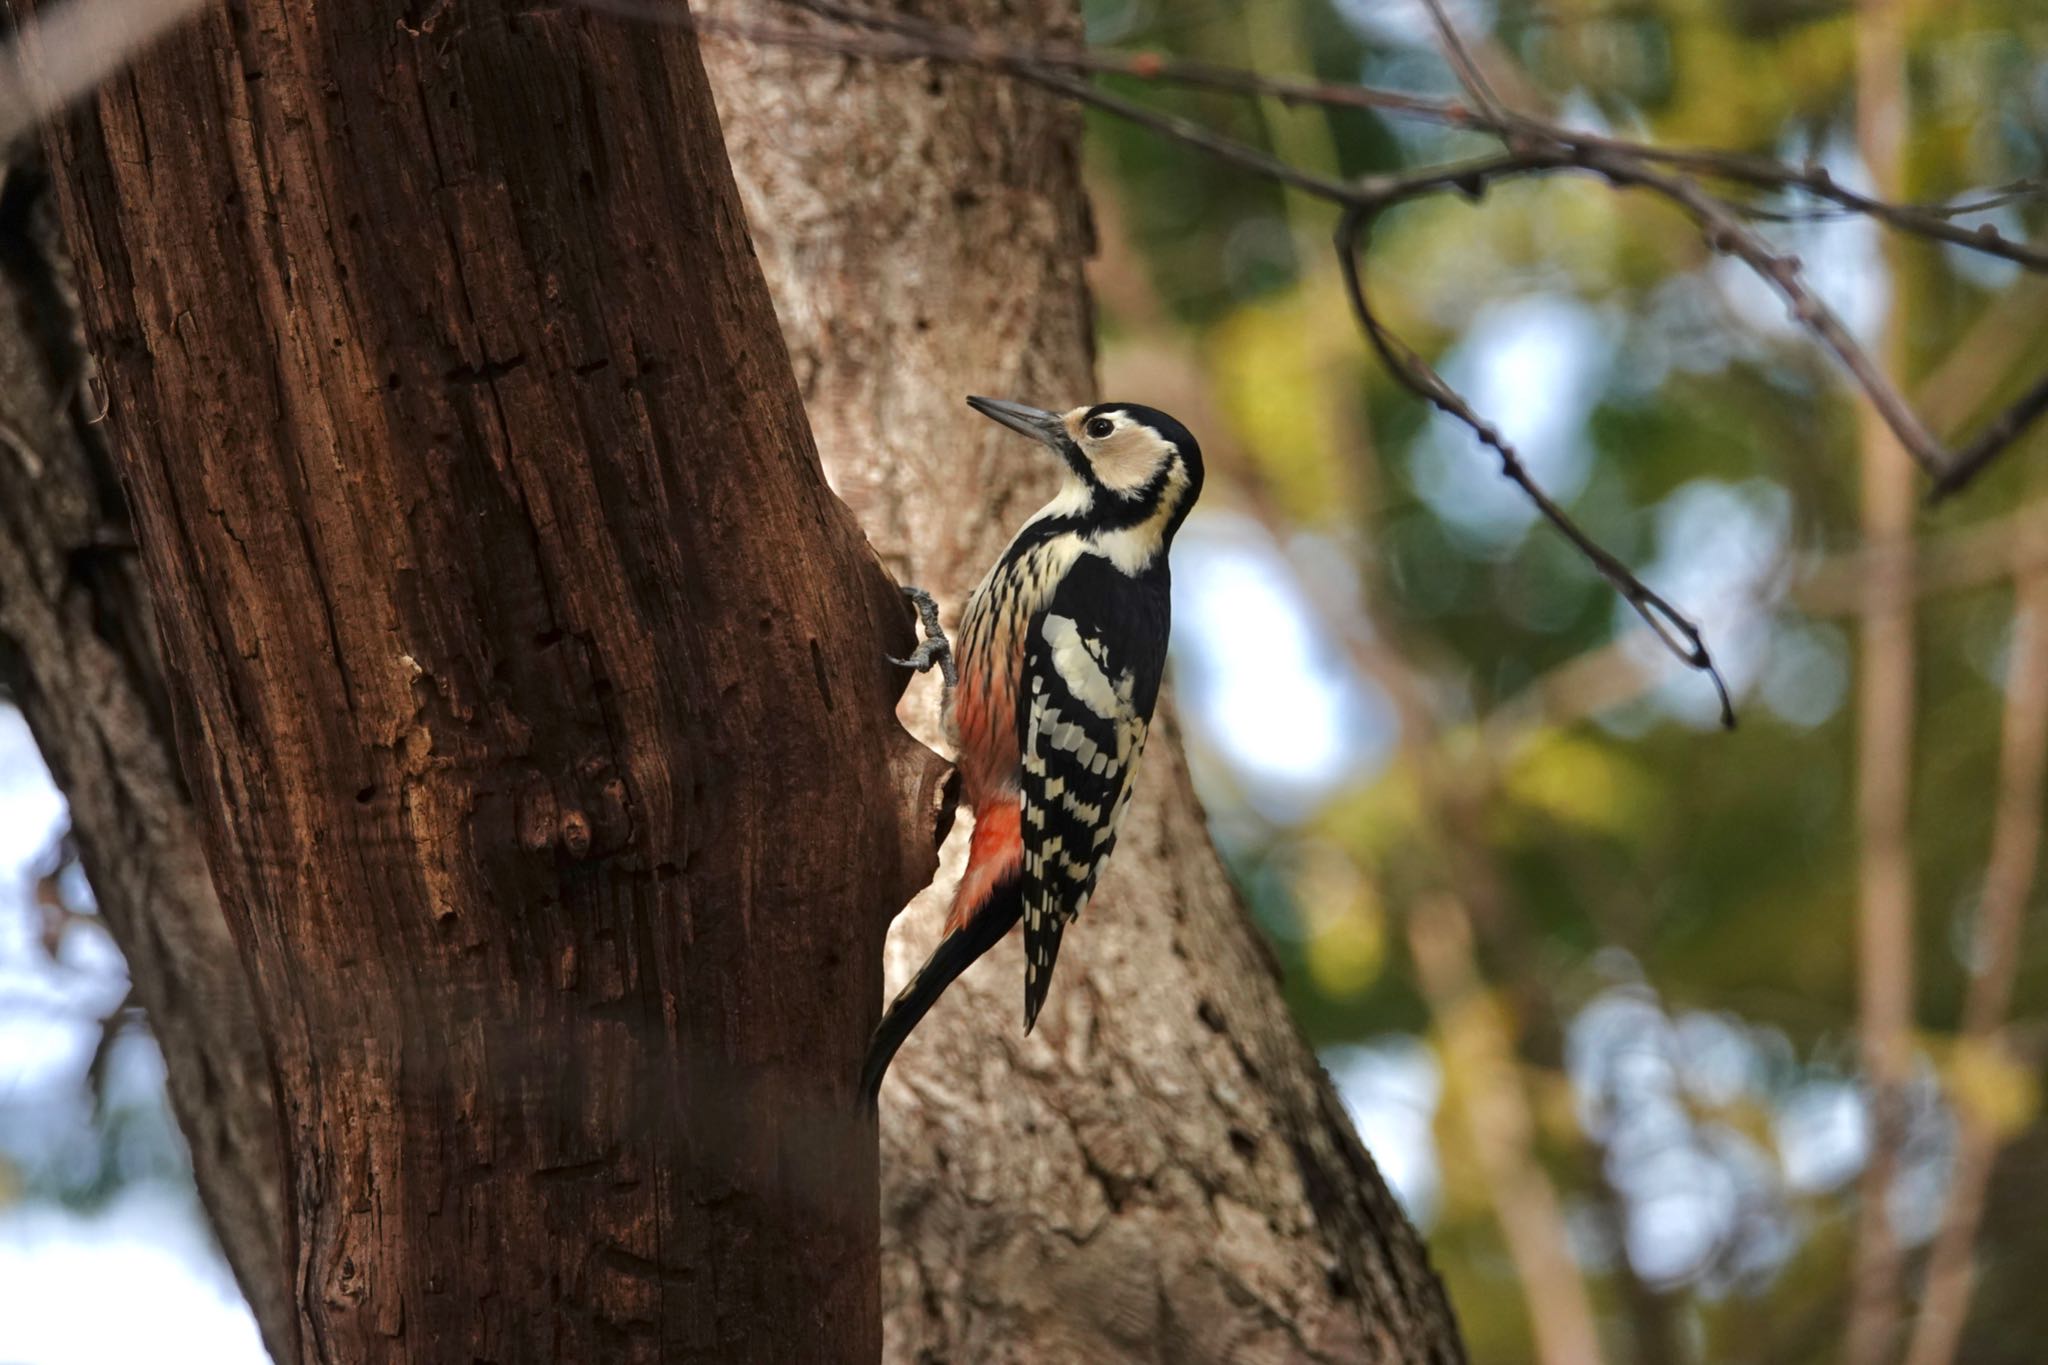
1202, 1195
525, 673
1162, 1171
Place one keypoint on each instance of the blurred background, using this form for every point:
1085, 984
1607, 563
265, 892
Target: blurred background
1584, 966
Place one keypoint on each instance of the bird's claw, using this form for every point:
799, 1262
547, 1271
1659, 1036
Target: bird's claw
935, 648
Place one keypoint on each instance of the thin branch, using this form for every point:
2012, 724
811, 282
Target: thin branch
1999, 433
1933, 221
1672, 626
1466, 67
111, 1028
1725, 232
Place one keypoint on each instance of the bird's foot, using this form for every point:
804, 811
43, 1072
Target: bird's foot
935, 648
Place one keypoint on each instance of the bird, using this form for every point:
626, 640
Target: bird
1058, 665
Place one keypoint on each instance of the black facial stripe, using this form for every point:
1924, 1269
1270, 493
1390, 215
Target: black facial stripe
1118, 510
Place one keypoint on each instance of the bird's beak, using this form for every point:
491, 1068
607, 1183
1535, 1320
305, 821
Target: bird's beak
1036, 423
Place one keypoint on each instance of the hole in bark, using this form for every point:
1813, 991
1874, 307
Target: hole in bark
392, 382
1340, 1284
485, 373
364, 794
1210, 1015
547, 638
1244, 1144
818, 671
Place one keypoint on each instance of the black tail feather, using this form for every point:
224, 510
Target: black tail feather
1041, 952
955, 954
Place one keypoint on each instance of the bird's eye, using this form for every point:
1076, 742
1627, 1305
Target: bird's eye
1099, 427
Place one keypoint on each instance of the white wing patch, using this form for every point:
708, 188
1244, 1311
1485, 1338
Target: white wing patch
1078, 660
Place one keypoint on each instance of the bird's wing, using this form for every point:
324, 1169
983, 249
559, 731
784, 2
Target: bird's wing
1092, 662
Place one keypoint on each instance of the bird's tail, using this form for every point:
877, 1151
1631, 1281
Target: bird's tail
983, 927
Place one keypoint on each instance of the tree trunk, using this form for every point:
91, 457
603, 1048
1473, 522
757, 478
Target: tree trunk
526, 673
1162, 1170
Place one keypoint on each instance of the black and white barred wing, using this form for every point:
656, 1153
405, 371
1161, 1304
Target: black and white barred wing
1083, 712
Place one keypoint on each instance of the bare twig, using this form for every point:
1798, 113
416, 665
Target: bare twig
1933, 221
1967, 463
1466, 67
111, 1029
1671, 625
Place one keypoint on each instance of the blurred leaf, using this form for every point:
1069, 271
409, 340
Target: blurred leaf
1581, 783
1343, 923
1269, 361
1986, 1080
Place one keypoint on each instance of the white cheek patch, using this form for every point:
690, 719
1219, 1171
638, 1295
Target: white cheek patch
1127, 461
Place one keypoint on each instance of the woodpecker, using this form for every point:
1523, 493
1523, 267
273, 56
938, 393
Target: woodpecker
1060, 655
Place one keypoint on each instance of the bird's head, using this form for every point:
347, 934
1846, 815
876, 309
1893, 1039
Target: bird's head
1127, 465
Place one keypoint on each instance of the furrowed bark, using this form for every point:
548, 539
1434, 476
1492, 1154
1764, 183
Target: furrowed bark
1162, 1171
526, 674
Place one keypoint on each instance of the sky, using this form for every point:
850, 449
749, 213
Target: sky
137, 1278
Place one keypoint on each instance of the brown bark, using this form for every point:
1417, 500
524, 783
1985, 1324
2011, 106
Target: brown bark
78, 653
1162, 1171
524, 668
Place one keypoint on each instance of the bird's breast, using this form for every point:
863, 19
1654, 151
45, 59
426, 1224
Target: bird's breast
983, 722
